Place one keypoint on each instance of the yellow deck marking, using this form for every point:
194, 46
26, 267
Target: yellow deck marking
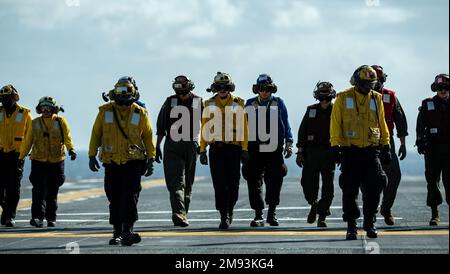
90, 193
219, 233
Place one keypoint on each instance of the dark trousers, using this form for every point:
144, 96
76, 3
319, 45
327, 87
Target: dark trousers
46, 179
122, 187
361, 169
267, 167
10, 177
437, 163
225, 165
179, 171
394, 177
319, 161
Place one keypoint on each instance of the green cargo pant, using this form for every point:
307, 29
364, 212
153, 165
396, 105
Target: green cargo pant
179, 170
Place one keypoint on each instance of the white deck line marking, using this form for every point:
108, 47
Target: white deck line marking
190, 220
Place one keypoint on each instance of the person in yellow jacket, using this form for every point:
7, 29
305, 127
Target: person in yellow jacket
359, 138
47, 139
226, 133
15, 122
122, 129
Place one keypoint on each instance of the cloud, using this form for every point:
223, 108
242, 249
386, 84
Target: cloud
387, 14
297, 14
200, 30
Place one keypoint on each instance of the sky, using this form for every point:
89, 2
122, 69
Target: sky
74, 50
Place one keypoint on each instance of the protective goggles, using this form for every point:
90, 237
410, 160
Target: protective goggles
219, 87
442, 87
180, 86
5, 92
325, 86
124, 91
263, 88
46, 104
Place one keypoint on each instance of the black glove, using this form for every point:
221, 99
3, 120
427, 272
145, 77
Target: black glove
149, 170
158, 156
20, 164
337, 154
93, 164
245, 157
300, 158
421, 145
72, 155
203, 158
385, 156
402, 152
287, 150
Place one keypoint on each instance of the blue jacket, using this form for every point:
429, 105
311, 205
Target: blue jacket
284, 128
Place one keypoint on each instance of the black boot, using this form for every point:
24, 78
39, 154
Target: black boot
3, 219
312, 214
259, 219
321, 221
352, 231
117, 233
37, 222
272, 216
10, 222
435, 219
224, 220
129, 237
369, 227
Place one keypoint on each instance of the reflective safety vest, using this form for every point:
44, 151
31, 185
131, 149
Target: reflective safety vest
114, 146
358, 120
213, 104
389, 104
436, 119
318, 125
48, 142
193, 104
13, 128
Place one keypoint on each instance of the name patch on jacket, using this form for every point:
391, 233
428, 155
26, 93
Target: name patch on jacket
196, 103
19, 117
173, 102
135, 119
109, 117
312, 113
350, 103
55, 125
387, 98
372, 105
1, 116
430, 105
433, 130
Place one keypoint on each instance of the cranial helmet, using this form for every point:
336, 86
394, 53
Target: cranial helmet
222, 81
125, 91
264, 82
50, 102
441, 82
182, 85
324, 91
364, 78
9, 92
